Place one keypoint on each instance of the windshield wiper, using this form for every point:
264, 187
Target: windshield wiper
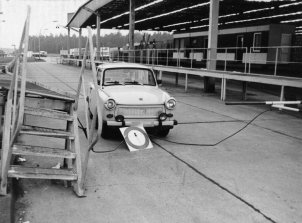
112, 83
133, 82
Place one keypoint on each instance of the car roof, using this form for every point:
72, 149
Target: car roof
121, 65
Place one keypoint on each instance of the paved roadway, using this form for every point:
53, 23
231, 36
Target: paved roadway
254, 176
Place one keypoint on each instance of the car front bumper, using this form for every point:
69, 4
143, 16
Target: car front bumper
145, 123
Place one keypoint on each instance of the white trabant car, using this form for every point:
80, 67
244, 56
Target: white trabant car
129, 94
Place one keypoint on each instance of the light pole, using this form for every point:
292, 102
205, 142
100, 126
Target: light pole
68, 39
39, 38
1, 21
40, 35
14, 49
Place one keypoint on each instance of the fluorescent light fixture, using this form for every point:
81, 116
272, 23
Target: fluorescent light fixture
229, 15
258, 10
173, 12
199, 5
269, 17
289, 21
176, 24
205, 19
137, 9
196, 27
161, 15
290, 4
145, 6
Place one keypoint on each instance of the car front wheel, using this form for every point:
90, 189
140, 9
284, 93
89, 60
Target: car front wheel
105, 131
162, 131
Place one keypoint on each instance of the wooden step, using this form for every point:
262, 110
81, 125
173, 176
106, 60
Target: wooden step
26, 150
46, 103
36, 88
51, 95
40, 131
48, 113
40, 173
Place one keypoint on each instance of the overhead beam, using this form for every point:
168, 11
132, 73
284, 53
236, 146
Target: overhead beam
90, 10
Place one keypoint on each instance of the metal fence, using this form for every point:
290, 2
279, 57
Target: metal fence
279, 61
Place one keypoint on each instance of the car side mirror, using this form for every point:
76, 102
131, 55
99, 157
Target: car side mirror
159, 82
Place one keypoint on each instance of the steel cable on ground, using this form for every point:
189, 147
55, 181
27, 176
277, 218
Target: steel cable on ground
275, 131
109, 151
213, 144
93, 150
216, 183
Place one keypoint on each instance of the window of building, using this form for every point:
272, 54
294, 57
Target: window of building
256, 42
240, 41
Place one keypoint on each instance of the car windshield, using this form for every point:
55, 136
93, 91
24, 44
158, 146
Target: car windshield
128, 76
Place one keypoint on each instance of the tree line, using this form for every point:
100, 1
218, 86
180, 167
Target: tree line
53, 44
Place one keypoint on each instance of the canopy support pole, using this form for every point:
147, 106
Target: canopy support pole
98, 29
209, 82
131, 30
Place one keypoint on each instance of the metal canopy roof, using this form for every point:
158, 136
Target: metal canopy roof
186, 16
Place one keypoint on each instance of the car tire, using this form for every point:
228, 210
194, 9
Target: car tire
90, 114
105, 134
162, 131
105, 131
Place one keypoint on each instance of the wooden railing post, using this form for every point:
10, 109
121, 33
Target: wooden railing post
96, 113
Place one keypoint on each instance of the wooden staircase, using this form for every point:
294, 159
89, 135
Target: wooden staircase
28, 106
67, 155
34, 120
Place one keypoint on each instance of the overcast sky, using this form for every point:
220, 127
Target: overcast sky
43, 13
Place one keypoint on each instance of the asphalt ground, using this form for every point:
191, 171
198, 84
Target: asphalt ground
253, 176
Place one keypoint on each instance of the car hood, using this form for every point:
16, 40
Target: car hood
131, 94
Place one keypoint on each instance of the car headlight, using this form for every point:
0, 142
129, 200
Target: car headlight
110, 104
170, 104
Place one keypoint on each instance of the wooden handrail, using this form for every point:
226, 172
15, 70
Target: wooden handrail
23, 80
92, 137
97, 111
15, 79
81, 77
9, 130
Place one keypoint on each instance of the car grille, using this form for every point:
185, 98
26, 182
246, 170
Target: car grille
139, 112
